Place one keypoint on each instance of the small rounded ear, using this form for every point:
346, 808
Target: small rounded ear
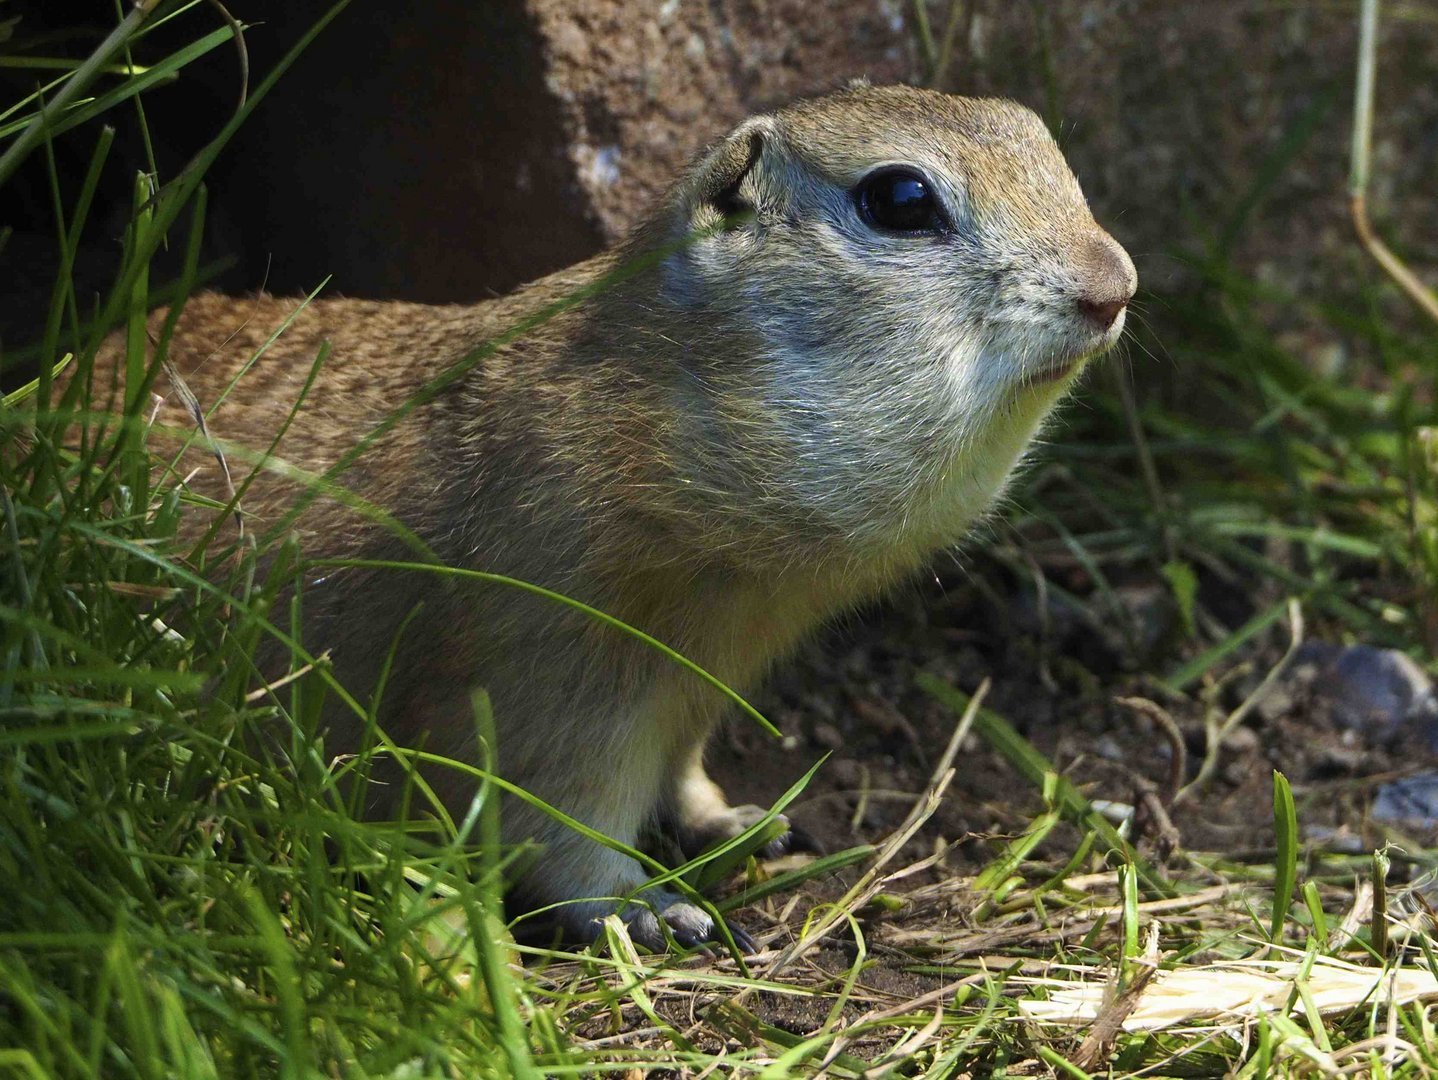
720, 191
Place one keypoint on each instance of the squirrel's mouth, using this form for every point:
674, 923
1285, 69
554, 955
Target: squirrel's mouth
1053, 373
1071, 348
1066, 352
1058, 369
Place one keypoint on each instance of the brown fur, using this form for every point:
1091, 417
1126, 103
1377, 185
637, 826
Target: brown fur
754, 428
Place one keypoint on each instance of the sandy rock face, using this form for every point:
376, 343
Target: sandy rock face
642, 86
1189, 124
454, 151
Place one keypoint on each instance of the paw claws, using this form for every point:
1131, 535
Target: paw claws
791, 842
688, 925
742, 938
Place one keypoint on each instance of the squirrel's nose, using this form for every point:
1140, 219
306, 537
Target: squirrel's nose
1107, 280
1103, 312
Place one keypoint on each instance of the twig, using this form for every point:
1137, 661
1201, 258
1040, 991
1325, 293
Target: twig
81, 78
191, 405
1218, 733
299, 673
1150, 818
1178, 749
238, 31
957, 8
1098, 1045
1408, 281
926, 39
1147, 468
870, 883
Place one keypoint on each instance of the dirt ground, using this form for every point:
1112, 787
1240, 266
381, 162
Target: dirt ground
852, 693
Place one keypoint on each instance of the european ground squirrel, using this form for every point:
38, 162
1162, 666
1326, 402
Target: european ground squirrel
811, 367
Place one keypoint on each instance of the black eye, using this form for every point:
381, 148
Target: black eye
898, 200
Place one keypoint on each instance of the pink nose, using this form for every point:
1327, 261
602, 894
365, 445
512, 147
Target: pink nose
1102, 312
1106, 279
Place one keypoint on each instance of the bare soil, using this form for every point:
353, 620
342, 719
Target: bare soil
852, 694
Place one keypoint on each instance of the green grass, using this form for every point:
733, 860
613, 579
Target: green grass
186, 889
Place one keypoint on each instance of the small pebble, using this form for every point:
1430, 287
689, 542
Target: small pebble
1152, 613
1339, 841
1412, 800
1109, 749
846, 773
1364, 687
1242, 741
821, 707
1277, 703
1339, 761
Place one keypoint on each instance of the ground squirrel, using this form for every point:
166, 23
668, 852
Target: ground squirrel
812, 366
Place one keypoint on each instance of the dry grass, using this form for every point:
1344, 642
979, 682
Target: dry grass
186, 891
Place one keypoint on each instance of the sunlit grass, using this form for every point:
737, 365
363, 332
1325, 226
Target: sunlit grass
188, 891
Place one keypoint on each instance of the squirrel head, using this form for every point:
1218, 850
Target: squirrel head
904, 283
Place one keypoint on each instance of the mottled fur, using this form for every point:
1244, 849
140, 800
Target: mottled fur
770, 421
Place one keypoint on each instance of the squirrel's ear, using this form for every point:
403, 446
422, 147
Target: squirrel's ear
723, 190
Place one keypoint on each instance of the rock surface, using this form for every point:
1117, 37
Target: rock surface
1378, 693
643, 86
452, 150
1189, 124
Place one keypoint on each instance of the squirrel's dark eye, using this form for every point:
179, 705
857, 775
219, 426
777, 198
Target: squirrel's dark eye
898, 200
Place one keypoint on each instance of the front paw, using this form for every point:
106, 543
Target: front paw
696, 839
656, 920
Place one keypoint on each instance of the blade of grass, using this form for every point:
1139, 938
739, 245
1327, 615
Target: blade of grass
1285, 862
1036, 769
